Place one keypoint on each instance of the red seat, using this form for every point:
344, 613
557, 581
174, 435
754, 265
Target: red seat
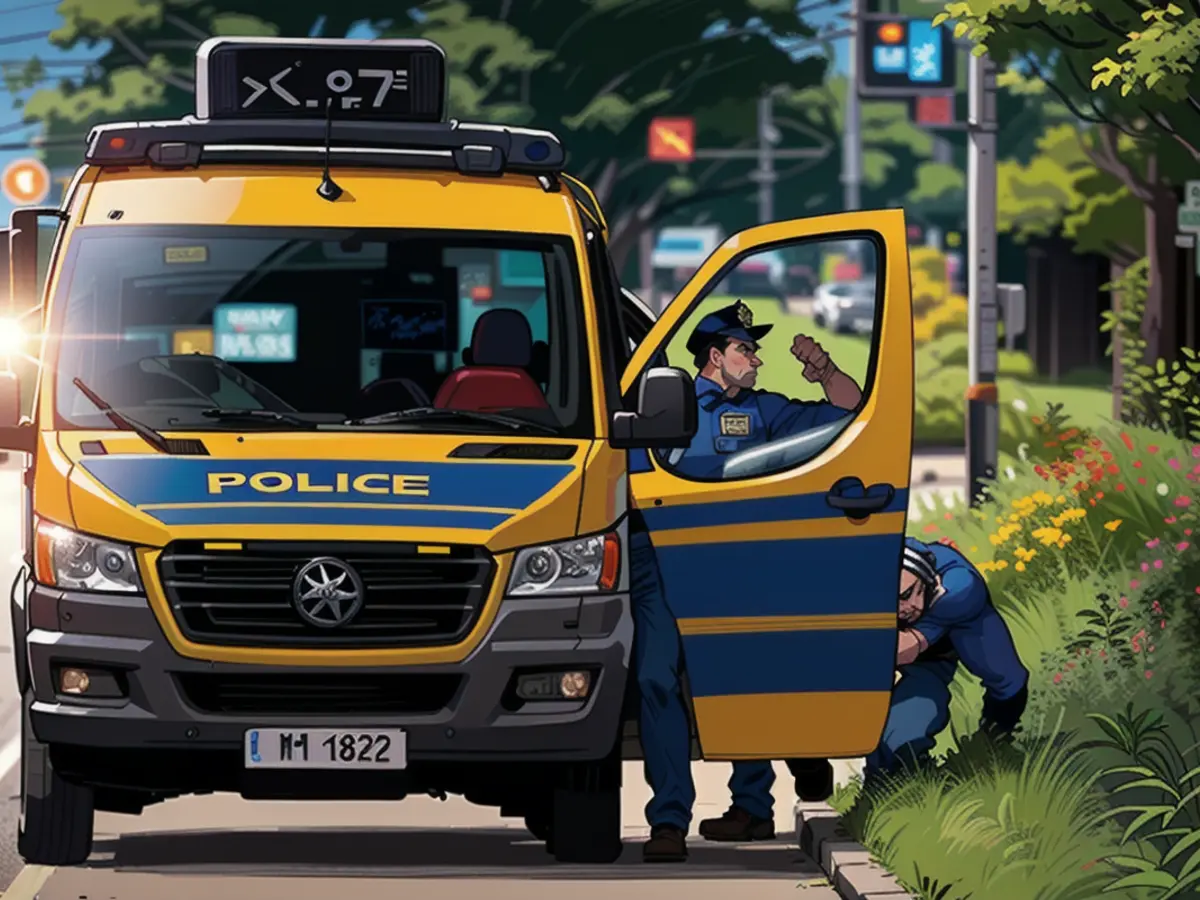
501, 349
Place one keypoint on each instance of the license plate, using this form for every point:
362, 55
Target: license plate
318, 748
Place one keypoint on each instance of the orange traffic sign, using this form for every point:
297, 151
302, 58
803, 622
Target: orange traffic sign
673, 140
26, 182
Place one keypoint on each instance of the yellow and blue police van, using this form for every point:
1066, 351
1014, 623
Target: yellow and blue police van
340, 419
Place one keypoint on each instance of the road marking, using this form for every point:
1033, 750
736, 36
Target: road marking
28, 882
10, 755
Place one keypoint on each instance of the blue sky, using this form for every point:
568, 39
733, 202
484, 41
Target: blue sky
23, 24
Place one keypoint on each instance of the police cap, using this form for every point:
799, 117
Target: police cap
735, 322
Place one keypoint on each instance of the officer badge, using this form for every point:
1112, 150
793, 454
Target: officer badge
735, 424
745, 316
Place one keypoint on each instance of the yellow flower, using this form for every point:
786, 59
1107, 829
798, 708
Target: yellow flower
1113, 525
1003, 534
1041, 498
1024, 555
1060, 499
1014, 517
1020, 567
1068, 515
1048, 535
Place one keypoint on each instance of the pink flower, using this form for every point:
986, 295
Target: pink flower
1150, 649
1187, 531
1156, 606
1152, 544
1058, 678
1182, 545
1162, 624
1173, 463
1123, 603
1158, 564
1153, 448
1145, 567
1149, 674
1183, 500
1134, 584
1196, 451
1170, 520
1079, 454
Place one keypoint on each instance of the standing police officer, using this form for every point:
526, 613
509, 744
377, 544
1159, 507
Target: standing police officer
736, 416
733, 416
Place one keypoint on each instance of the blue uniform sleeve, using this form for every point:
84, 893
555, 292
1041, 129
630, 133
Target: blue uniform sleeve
965, 614
785, 417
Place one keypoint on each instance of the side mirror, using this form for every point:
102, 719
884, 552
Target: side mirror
25, 256
666, 413
15, 435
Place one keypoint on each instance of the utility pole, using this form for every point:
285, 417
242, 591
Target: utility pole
852, 127
982, 411
768, 136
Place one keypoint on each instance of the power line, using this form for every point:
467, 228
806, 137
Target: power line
28, 36
17, 9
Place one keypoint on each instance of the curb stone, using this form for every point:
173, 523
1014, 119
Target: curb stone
846, 863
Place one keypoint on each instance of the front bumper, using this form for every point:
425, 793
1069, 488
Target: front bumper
159, 720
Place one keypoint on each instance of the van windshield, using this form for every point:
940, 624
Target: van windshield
323, 327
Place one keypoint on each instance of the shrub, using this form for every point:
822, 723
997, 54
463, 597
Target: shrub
1088, 546
936, 311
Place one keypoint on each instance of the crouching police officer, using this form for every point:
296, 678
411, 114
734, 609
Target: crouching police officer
945, 617
733, 416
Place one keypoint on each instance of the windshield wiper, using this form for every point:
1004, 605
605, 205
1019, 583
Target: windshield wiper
122, 421
251, 415
429, 412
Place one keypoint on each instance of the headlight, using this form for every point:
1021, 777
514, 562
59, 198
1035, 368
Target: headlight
77, 562
583, 565
845, 303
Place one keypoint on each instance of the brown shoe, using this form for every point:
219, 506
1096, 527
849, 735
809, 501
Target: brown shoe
667, 844
737, 826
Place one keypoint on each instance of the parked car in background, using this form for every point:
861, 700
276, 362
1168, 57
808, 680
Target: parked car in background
845, 306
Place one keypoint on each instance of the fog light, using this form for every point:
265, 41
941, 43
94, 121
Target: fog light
575, 685
74, 681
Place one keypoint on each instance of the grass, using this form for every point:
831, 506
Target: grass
1090, 555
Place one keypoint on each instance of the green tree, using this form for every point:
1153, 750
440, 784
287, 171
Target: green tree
149, 71
597, 71
1124, 68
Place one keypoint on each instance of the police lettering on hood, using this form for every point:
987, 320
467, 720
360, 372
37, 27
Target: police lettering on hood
734, 415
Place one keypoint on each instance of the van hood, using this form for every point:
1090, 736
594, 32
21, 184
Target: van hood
497, 492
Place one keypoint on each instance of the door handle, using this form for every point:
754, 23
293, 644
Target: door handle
856, 500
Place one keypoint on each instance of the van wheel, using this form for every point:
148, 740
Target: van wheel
56, 815
586, 824
819, 320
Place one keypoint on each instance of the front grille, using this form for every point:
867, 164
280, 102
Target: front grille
246, 597
324, 694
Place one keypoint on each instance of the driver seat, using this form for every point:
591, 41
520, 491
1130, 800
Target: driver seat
497, 377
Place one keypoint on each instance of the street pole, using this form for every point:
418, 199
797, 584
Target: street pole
982, 412
852, 128
766, 177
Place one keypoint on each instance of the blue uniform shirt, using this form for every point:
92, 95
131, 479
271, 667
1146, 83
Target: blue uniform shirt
751, 418
962, 622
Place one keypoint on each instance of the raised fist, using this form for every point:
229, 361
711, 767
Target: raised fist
816, 361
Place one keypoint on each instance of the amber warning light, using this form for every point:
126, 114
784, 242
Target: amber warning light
891, 33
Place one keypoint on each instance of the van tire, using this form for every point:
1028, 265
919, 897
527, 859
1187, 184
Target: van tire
57, 816
814, 779
586, 823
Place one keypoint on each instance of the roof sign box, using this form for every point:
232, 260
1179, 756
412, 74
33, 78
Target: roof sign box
298, 78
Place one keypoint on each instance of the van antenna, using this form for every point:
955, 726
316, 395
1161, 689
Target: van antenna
328, 189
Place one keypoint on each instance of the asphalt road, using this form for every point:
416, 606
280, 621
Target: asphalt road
199, 847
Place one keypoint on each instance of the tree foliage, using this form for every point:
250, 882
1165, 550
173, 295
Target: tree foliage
1124, 67
596, 72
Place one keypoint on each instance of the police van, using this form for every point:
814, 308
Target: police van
341, 419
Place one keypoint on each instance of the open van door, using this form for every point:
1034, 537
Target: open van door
780, 555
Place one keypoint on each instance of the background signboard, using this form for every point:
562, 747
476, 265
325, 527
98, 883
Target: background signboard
255, 333
904, 57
